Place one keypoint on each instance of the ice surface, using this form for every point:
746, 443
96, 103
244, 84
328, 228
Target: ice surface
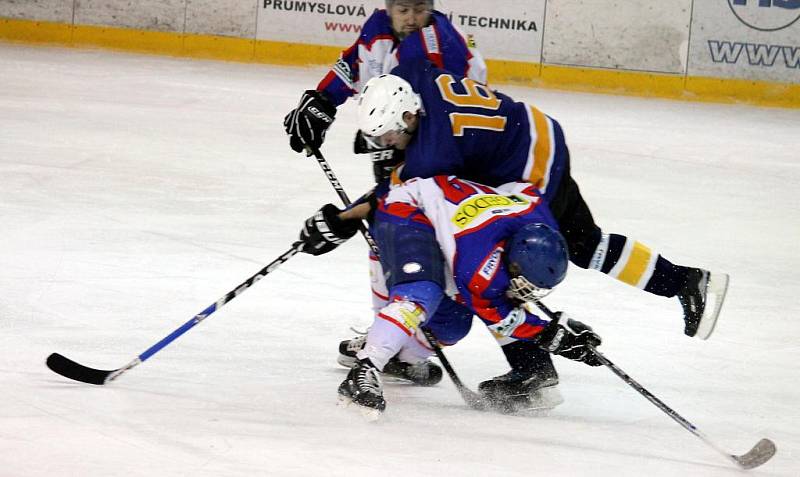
137, 190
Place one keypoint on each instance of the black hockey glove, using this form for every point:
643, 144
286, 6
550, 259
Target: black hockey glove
307, 123
571, 339
384, 160
324, 231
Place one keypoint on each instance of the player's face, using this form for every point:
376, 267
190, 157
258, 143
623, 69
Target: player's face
409, 16
397, 139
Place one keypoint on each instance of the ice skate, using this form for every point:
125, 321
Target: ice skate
516, 392
425, 373
363, 387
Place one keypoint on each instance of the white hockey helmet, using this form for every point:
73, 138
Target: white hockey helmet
384, 100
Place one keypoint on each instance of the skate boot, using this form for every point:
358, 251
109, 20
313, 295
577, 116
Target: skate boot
363, 386
531, 385
701, 298
349, 348
425, 373
518, 391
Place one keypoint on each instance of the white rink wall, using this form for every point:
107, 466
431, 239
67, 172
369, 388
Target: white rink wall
737, 39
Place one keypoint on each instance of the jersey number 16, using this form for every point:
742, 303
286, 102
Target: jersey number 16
476, 96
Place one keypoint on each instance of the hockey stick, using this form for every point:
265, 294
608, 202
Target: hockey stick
472, 399
757, 455
73, 370
337, 186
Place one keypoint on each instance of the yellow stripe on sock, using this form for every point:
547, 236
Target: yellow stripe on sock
636, 265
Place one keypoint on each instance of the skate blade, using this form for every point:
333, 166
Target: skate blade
542, 401
368, 413
538, 403
716, 290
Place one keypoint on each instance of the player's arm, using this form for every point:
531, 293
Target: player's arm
562, 336
330, 226
307, 124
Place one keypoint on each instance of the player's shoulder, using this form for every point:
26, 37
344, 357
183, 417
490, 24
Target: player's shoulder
441, 20
414, 70
378, 25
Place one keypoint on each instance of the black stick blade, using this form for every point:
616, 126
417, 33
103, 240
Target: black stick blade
76, 371
759, 454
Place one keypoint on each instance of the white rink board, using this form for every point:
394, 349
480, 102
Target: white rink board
152, 15
43, 10
643, 35
234, 18
509, 30
747, 41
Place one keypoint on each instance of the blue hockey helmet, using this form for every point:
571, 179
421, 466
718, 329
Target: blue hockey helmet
537, 258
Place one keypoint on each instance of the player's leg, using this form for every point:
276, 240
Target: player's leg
699, 292
449, 324
394, 328
414, 271
422, 372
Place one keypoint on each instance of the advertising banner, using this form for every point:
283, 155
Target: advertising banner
507, 30
501, 30
746, 39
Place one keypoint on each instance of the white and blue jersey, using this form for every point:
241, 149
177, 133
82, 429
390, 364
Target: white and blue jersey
472, 223
377, 50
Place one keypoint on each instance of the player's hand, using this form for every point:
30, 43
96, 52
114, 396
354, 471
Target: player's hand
307, 123
324, 231
571, 339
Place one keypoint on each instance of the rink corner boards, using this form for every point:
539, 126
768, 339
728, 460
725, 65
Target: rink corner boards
593, 80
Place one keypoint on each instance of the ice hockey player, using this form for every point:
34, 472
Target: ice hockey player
503, 250
449, 124
406, 30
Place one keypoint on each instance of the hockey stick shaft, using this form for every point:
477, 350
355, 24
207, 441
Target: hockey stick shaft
759, 454
337, 186
78, 372
470, 397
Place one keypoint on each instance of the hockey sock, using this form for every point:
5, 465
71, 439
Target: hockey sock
384, 340
632, 262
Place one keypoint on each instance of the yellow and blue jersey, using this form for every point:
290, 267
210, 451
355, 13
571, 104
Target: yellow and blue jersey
467, 129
